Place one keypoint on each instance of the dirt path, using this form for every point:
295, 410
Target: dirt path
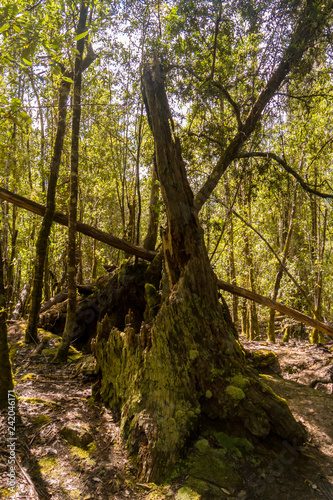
52, 465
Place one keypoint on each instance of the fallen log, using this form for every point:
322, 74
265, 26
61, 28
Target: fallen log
59, 297
62, 219
265, 301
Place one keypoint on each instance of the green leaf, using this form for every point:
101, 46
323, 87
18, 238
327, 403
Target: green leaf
82, 35
5, 27
28, 63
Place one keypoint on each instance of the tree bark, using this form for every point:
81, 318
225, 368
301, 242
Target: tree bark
6, 379
278, 277
186, 363
62, 352
154, 213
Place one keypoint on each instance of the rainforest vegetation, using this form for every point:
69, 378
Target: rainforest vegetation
187, 145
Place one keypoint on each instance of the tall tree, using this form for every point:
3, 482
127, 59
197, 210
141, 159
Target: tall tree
44, 232
67, 336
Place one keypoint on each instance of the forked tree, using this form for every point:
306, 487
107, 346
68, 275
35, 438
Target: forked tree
186, 363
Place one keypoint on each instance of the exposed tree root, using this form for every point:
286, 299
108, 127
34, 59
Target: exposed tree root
163, 378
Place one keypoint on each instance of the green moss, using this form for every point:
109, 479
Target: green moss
37, 401
83, 455
194, 354
76, 494
202, 444
217, 373
236, 393
28, 376
42, 420
49, 467
186, 493
206, 463
49, 352
13, 348
4, 493
233, 443
261, 359
152, 299
91, 447
48, 335
240, 381
208, 394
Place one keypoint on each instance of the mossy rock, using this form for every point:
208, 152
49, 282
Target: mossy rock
77, 434
263, 360
210, 468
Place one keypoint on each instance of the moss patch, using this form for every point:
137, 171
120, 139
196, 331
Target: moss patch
4, 493
38, 401
28, 376
186, 493
13, 348
49, 467
211, 467
235, 393
238, 445
42, 420
83, 455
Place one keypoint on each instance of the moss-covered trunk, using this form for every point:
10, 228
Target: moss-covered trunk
186, 363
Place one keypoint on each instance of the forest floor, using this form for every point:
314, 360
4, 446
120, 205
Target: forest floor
68, 446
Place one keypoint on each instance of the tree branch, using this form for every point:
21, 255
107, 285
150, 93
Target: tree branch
265, 301
310, 24
230, 101
284, 164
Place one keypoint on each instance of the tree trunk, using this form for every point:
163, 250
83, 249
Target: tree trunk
316, 336
41, 245
61, 354
19, 305
186, 363
278, 277
6, 379
154, 213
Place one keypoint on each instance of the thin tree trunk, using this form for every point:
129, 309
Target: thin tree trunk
137, 176
6, 379
61, 354
44, 232
278, 278
232, 266
316, 335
